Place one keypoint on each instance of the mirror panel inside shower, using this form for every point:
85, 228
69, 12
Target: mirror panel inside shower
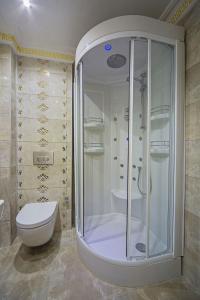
105, 118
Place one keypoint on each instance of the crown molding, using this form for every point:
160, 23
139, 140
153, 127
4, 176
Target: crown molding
10, 39
177, 10
168, 9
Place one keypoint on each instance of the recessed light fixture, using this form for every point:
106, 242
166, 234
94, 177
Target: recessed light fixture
26, 3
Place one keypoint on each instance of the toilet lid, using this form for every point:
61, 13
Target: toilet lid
36, 214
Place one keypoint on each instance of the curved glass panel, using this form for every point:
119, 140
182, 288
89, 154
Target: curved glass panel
121, 151
161, 149
105, 102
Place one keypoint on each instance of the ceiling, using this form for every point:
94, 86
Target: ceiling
97, 70
58, 25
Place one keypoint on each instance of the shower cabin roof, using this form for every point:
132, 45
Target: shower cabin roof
131, 26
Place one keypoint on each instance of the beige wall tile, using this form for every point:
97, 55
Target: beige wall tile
193, 84
193, 121
192, 197
5, 127
41, 66
7, 144
4, 99
5, 234
191, 259
192, 246
33, 177
192, 45
30, 107
4, 154
31, 130
5, 70
193, 158
5, 51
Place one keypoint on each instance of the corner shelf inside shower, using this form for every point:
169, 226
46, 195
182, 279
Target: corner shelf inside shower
94, 148
160, 113
94, 123
95, 126
159, 148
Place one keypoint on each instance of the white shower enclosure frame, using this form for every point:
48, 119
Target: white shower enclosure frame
150, 269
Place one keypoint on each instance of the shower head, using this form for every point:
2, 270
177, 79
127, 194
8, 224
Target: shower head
116, 61
141, 79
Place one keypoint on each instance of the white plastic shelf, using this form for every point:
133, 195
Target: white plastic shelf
94, 125
159, 148
162, 116
94, 148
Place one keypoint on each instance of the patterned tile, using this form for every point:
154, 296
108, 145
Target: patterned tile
42, 188
43, 107
42, 130
43, 118
42, 177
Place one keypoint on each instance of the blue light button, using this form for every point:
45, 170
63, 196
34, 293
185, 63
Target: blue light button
108, 47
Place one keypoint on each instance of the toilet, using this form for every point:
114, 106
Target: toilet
35, 223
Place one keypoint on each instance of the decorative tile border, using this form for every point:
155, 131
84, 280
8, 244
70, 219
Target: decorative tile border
180, 10
31, 52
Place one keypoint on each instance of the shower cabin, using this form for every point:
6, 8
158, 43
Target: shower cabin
129, 150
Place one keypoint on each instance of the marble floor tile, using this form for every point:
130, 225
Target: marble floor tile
55, 272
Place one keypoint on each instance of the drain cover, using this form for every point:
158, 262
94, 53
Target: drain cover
141, 247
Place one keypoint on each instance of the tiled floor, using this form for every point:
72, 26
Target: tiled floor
54, 271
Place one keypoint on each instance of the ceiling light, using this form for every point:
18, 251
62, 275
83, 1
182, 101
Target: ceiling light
27, 3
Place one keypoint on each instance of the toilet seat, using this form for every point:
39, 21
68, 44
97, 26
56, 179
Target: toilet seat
34, 215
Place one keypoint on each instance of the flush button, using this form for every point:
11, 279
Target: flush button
43, 158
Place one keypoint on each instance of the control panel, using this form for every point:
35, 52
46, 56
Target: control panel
43, 158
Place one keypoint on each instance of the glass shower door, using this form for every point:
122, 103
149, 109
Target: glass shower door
105, 147
161, 148
136, 215
151, 149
